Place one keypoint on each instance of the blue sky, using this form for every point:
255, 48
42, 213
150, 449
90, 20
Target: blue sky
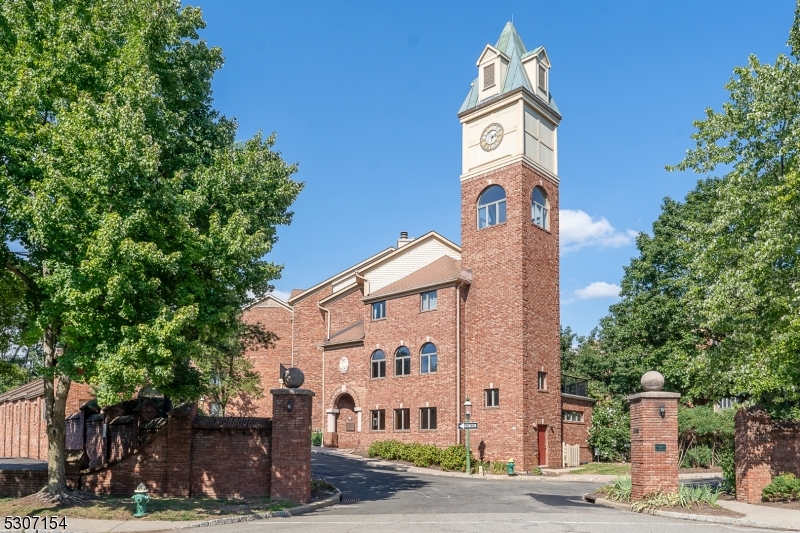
364, 96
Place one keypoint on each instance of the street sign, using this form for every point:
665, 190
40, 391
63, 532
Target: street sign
468, 425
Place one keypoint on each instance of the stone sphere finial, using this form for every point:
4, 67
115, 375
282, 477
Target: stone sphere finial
294, 378
653, 381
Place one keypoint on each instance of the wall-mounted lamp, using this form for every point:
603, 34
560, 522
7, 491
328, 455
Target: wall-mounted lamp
662, 411
289, 405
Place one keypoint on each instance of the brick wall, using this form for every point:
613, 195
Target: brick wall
22, 426
18, 483
578, 432
511, 318
653, 470
763, 448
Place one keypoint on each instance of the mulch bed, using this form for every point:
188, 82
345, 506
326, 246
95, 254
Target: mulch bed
704, 509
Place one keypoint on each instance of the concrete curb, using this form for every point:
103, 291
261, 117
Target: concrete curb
689, 516
294, 511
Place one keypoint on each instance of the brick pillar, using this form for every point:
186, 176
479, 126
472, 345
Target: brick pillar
179, 451
654, 443
753, 453
291, 445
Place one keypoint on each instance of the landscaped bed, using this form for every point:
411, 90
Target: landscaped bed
172, 509
624, 469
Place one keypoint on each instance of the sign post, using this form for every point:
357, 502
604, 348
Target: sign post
467, 427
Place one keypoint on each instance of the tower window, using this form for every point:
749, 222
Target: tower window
402, 362
427, 418
428, 359
428, 301
492, 207
542, 78
540, 208
378, 310
378, 364
542, 380
488, 76
492, 397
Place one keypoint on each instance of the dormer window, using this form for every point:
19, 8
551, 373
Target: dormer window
488, 76
543, 78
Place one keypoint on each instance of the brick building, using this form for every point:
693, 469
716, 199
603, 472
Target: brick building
394, 345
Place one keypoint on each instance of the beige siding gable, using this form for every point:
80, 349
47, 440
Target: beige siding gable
404, 264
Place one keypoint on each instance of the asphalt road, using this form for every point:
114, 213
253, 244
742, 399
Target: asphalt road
388, 502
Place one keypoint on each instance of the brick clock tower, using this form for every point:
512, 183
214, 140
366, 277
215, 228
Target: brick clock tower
509, 235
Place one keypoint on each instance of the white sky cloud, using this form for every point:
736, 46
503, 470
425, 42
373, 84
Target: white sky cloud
597, 289
281, 295
579, 229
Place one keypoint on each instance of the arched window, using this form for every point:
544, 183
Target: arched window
540, 208
402, 362
378, 364
428, 358
492, 207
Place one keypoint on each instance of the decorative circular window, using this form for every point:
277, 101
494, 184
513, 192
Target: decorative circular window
491, 137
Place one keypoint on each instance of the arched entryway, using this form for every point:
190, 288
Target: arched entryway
344, 423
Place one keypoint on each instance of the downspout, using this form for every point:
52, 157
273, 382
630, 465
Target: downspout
322, 409
292, 335
458, 361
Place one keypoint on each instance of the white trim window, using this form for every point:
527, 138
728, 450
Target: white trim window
402, 362
402, 420
427, 418
427, 301
428, 359
492, 397
492, 207
540, 208
378, 364
572, 416
378, 419
379, 310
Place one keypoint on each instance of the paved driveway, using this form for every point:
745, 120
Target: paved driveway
388, 502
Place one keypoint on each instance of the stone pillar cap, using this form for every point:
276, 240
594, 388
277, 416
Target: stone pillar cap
654, 394
296, 392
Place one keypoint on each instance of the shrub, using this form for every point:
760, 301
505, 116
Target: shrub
424, 455
726, 462
702, 426
697, 457
619, 490
685, 497
316, 438
610, 432
498, 467
785, 487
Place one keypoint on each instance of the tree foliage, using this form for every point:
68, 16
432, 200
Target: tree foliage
143, 222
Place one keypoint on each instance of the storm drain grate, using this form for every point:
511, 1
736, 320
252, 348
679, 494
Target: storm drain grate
350, 500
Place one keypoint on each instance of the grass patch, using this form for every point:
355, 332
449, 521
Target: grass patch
121, 508
605, 469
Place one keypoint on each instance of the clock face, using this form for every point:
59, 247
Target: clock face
491, 137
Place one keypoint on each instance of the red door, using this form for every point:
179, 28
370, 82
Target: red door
542, 445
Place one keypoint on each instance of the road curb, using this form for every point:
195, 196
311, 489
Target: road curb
688, 516
294, 511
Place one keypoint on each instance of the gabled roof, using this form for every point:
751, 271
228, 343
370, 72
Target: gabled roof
353, 333
405, 249
510, 44
343, 274
29, 390
269, 300
443, 271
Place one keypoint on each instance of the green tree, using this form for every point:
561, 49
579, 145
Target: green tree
143, 222
743, 267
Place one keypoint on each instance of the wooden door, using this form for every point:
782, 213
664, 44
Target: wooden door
542, 445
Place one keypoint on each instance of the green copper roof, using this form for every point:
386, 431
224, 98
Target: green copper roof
512, 46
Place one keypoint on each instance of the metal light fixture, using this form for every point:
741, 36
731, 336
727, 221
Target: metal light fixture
289, 405
467, 414
467, 408
662, 411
